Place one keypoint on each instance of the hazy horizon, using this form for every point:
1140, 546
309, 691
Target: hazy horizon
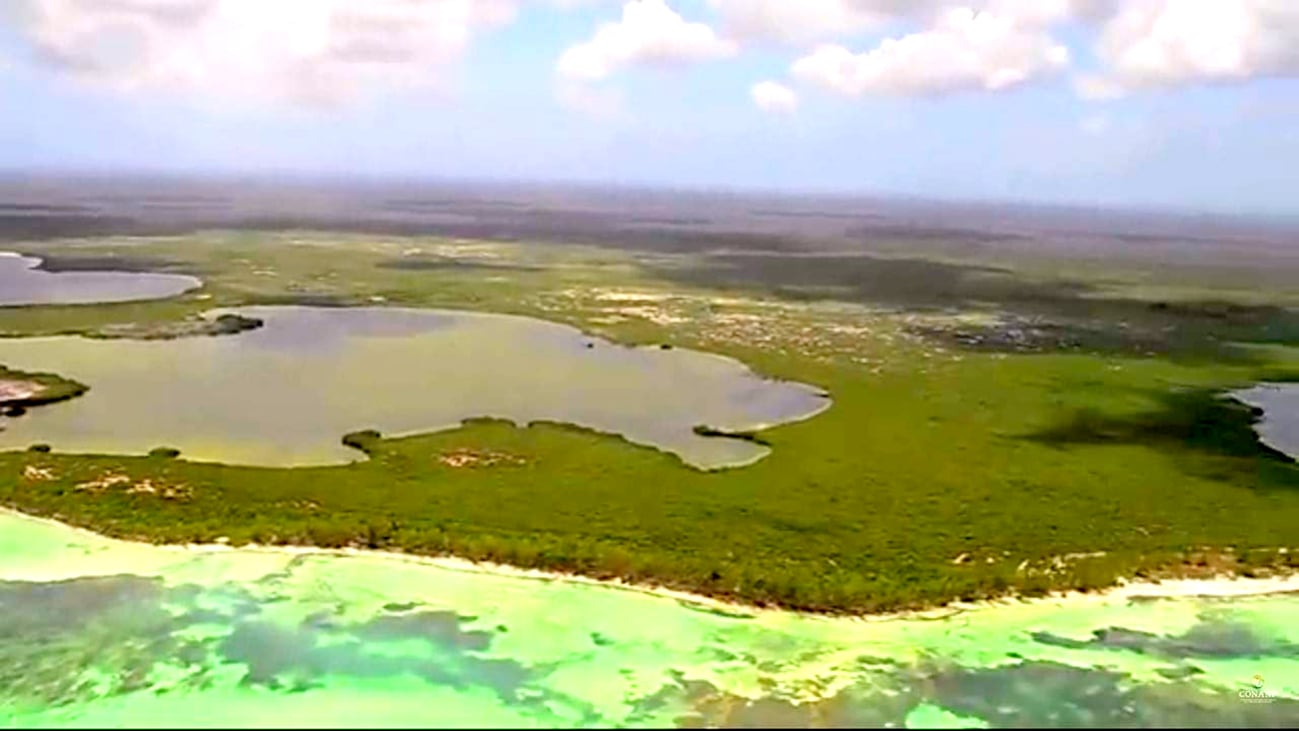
287, 180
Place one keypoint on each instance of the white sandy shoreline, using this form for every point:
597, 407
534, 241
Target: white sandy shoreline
1225, 586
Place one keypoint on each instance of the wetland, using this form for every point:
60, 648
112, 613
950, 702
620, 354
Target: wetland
1007, 418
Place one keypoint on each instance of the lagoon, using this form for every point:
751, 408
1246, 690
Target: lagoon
286, 393
22, 283
1279, 427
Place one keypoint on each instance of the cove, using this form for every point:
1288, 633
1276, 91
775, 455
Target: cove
1279, 427
21, 283
102, 633
286, 393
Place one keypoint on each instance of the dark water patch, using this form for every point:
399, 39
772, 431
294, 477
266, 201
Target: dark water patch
52, 633
668, 221
418, 204
56, 263
425, 263
442, 629
28, 227
804, 213
36, 606
1211, 640
1052, 695
883, 703
306, 299
42, 208
278, 656
141, 198
924, 233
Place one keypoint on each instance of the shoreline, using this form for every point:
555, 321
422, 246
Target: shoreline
1222, 586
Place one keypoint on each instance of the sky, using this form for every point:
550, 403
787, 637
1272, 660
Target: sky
1189, 104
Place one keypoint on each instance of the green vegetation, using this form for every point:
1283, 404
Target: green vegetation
944, 469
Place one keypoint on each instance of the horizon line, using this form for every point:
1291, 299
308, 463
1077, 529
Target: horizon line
286, 176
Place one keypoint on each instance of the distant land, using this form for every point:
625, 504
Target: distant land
46, 206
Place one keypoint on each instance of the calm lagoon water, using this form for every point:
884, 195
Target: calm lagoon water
95, 632
1279, 428
285, 394
22, 284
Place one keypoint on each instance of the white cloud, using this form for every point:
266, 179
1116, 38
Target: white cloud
773, 96
649, 32
803, 21
1044, 12
963, 50
1152, 43
798, 22
321, 51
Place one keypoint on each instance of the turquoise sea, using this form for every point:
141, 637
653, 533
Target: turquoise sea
97, 632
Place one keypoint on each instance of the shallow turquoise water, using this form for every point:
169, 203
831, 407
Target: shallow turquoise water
95, 632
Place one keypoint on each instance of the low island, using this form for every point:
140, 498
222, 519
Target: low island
20, 391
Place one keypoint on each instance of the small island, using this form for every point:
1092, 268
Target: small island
704, 430
224, 324
20, 391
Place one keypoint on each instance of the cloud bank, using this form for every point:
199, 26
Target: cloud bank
963, 50
317, 51
1162, 43
336, 51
